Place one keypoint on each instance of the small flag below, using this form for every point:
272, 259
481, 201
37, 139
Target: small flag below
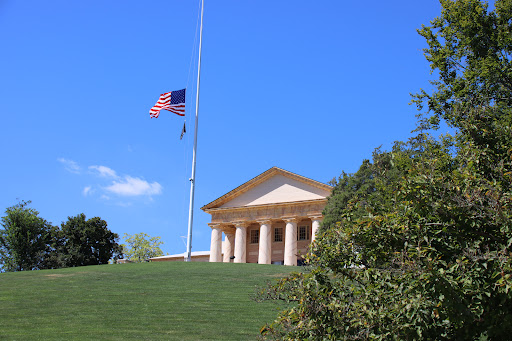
173, 101
183, 131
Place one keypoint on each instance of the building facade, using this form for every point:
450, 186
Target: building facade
271, 219
196, 256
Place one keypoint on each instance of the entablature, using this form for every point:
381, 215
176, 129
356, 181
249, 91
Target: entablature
271, 212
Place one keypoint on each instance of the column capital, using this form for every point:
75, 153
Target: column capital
316, 217
241, 223
291, 219
264, 222
214, 225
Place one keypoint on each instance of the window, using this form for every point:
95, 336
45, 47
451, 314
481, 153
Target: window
255, 236
278, 234
303, 233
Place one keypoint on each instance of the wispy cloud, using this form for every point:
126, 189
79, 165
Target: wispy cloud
87, 190
70, 165
104, 171
130, 186
112, 186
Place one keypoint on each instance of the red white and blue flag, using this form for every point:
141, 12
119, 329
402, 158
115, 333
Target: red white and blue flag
173, 101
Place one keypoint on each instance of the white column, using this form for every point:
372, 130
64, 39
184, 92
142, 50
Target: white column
314, 227
216, 245
265, 249
240, 242
229, 247
290, 242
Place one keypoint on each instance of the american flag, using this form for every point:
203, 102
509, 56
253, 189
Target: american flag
173, 101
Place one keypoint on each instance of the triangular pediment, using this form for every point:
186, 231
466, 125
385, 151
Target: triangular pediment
274, 186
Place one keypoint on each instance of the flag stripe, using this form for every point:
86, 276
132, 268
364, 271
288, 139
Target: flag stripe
176, 112
173, 101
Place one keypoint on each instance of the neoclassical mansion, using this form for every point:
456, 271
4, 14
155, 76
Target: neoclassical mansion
270, 219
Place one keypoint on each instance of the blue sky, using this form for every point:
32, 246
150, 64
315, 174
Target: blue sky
310, 87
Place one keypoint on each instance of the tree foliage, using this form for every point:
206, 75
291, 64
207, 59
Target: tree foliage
28, 242
25, 239
419, 246
88, 242
140, 247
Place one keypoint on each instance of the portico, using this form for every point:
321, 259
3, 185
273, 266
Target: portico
270, 219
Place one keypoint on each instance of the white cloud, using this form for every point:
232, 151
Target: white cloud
104, 171
131, 186
87, 190
120, 185
70, 165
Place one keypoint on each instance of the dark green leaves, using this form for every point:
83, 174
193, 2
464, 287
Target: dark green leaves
28, 242
416, 245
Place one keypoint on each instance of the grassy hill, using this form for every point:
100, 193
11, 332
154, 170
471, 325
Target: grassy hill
148, 301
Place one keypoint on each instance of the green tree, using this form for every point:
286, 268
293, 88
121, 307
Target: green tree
422, 249
365, 187
88, 242
140, 247
25, 239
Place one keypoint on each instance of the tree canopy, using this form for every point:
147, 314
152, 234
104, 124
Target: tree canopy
25, 238
28, 242
416, 244
88, 242
140, 247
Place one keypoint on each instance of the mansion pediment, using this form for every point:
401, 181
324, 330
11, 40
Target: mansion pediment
275, 186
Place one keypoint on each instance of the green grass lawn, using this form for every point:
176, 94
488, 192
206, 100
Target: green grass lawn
146, 301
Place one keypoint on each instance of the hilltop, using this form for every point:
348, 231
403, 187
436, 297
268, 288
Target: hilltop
164, 300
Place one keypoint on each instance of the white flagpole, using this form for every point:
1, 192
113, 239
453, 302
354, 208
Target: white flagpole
193, 177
